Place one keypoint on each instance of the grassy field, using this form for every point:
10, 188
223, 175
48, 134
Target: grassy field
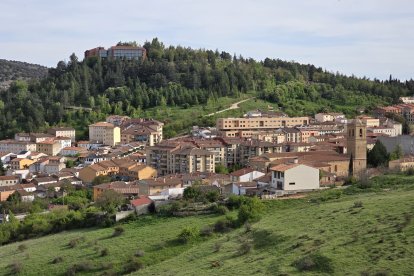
330, 232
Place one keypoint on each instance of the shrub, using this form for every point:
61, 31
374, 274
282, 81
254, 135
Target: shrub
118, 231
410, 171
188, 234
57, 260
207, 230
22, 247
314, 262
15, 268
104, 252
80, 267
217, 247
224, 225
245, 247
73, 242
221, 209
358, 204
248, 227
132, 265
139, 253
250, 211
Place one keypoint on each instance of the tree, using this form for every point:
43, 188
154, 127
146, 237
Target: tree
2, 169
15, 198
397, 153
250, 210
109, 200
101, 179
191, 192
378, 156
221, 169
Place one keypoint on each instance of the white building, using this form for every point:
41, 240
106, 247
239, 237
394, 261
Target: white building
295, 177
329, 117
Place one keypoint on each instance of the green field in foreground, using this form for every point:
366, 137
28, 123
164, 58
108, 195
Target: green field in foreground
370, 233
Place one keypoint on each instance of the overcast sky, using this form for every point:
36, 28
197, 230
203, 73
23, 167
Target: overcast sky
373, 38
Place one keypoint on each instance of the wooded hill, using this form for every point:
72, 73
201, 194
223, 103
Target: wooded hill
11, 70
183, 77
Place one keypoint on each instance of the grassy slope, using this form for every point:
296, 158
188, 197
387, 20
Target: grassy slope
355, 239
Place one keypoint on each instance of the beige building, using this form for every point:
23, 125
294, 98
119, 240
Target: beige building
105, 133
141, 130
20, 163
370, 121
63, 132
16, 146
49, 147
402, 164
230, 127
172, 159
295, 177
9, 180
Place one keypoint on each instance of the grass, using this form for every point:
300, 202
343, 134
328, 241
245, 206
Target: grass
350, 234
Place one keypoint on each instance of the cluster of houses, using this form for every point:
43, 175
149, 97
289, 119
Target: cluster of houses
277, 155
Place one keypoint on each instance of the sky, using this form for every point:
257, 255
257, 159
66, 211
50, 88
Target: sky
371, 38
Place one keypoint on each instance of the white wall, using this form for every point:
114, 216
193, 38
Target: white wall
304, 177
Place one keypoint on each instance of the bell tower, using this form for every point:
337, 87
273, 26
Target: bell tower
357, 147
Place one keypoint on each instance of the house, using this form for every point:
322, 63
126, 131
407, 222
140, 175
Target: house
141, 172
63, 132
245, 175
44, 180
50, 147
402, 164
6, 191
295, 177
155, 186
105, 133
26, 196
141, 205
9, 180
87, 174
20, 163
239, 188
130, 189
72, 151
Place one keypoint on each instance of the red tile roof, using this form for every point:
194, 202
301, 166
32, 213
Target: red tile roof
143, 200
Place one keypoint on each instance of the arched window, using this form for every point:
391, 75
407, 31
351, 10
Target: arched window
360, 132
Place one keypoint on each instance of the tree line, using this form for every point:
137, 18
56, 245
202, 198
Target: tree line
78, 93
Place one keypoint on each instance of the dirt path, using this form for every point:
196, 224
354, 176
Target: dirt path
233, 106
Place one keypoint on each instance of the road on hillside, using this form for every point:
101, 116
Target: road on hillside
233, 106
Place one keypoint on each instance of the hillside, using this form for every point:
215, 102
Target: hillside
11, 70
181, 78
349, 232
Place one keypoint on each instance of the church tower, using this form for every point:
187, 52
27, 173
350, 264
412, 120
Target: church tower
357, 147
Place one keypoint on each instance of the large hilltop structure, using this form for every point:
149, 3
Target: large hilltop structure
357, 147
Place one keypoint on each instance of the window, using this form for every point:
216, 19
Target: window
291, 183
360, 132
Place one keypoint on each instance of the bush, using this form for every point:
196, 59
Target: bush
217, 247
80, 267
118, 231
314, 262
224, 225
57, 260
139, 253
207, 230
15, 268
188, 234
250, 211
74, 242
410, 171
221, 209
104, 252
134, 264
22, 247
358, 204
245, 247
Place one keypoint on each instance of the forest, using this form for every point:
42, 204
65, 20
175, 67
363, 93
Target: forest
79, 92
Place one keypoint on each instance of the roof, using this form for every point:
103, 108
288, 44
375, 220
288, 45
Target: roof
284, 167
102, 124
7, 177
142, 200
242, 172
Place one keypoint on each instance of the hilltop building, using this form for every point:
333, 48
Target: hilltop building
118, 51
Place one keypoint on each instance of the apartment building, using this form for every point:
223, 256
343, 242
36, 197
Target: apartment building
146, 131
244, 127
105, 133
16, 146
63, 132
169, 158
20, 163
49, 147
